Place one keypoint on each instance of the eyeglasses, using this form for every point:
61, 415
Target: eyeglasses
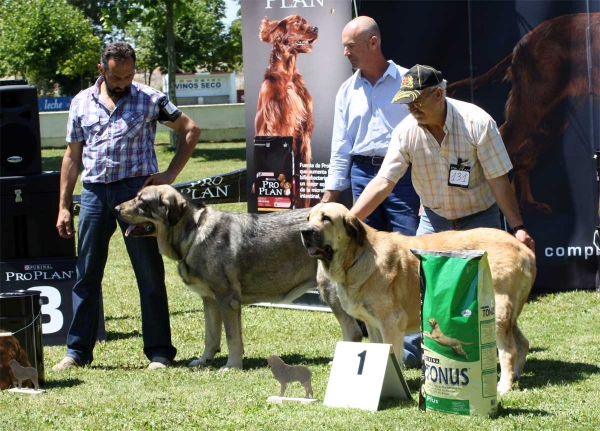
418, 104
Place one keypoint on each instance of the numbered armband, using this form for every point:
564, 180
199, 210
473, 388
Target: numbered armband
168, 111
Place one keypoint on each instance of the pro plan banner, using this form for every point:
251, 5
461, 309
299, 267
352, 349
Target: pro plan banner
535, 67
54, 279
293, 67
220, 189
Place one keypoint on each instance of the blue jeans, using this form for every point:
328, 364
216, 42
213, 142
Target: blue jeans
431, 222
97, 222
399, 212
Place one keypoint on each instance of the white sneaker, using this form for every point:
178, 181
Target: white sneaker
158, 362
67, 362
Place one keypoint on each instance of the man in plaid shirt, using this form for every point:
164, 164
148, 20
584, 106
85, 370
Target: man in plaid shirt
111, 131
459, 162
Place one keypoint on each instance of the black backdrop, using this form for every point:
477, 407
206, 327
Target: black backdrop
467, 38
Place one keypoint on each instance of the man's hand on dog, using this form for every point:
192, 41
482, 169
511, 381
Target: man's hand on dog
159, 178
524, 237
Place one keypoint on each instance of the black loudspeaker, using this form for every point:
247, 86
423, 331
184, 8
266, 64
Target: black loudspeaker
28, 218
20, 313
20, 144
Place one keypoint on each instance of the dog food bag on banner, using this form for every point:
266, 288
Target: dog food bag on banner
459, 333
275, 183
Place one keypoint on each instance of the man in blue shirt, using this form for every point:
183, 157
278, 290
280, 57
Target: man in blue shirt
362, 129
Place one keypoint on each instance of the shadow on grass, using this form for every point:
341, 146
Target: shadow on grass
212, 154
258, 363
136, 317
512, 411
114, 335
62, 383
539, 373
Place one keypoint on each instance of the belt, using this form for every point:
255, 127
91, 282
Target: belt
371, 160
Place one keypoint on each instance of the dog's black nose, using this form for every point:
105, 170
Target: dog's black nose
315, 29
306, 230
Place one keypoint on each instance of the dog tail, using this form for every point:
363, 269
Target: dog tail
498, 73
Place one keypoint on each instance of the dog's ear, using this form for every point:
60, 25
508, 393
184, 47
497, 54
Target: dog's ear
266, 28
174, 207
271, 31
354, 228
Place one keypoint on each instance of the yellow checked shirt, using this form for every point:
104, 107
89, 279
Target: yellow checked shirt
471, 135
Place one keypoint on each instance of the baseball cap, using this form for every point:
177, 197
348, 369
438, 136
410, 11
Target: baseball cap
417, 79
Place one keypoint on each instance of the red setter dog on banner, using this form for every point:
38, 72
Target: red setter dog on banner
284, 103
548, 67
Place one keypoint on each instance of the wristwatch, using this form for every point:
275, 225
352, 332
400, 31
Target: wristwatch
518, 228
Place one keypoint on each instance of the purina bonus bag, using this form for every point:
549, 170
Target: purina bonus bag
459, 333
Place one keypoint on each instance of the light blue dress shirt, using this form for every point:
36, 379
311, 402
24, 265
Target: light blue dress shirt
363, 122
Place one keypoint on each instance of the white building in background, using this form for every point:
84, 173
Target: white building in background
206, 88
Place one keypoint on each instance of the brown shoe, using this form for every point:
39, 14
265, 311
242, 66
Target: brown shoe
67, 362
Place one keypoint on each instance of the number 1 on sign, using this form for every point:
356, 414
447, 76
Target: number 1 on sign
361, 383
361, 365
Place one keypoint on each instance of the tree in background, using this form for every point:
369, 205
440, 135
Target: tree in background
202, 40
51, 43
48, 42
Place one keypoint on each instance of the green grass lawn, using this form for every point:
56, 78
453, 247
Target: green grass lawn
559, 391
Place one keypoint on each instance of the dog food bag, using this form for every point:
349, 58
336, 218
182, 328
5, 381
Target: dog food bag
275, 182
459, 333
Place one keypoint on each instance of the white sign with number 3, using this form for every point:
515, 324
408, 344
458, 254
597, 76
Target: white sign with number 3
362, 374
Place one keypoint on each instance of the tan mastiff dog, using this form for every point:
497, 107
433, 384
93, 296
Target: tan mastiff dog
377, 277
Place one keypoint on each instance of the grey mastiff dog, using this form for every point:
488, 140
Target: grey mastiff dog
230, 259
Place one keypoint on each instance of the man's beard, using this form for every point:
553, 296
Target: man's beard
119, 93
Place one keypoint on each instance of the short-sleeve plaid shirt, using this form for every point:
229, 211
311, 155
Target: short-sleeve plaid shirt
472, 136
117, 144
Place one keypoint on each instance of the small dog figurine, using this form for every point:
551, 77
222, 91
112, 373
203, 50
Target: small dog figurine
285, 374
23, 373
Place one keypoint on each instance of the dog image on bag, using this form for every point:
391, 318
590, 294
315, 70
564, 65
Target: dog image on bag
438, 336
228, 259
376, 277
546, 68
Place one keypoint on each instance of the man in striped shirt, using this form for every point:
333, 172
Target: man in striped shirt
111, 131
459, 162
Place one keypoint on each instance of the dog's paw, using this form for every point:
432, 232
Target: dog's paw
503, 387
200, 362
230, 366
